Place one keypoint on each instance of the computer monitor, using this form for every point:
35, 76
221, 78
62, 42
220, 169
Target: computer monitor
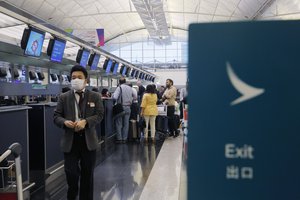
82, 57
55, 50
109, 65
116, 68
124, 71
32, 42
93, 61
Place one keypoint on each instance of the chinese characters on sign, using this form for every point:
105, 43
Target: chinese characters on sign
234, 152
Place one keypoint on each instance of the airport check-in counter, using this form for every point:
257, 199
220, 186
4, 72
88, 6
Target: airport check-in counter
14, 128
46, 157
105, 128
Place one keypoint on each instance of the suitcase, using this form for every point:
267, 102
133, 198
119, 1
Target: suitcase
161, 124
134, 111
133, 130
177, 121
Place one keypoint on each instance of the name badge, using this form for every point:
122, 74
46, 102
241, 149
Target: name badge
92, 104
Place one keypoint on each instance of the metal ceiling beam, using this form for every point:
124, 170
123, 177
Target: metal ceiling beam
262, 9
153, 16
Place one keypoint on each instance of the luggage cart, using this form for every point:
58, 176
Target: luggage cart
15, 149
162, 110
162, 121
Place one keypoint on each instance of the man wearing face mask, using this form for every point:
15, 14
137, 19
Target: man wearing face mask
77, 112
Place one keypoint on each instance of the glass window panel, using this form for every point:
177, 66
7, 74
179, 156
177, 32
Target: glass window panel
148, 53
159, 47
138, 60
179, 58
127, 59
125, 54
126, 48
116, 53
173, 45
148, 59
171, 59
160, 59
137, 46
160, 53
170, 53
148, 45
138, 53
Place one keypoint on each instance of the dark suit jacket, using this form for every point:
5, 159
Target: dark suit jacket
93, 114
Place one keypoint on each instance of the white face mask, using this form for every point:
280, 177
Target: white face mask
77, 84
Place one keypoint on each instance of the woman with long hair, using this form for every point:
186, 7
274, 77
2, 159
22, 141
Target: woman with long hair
149, 111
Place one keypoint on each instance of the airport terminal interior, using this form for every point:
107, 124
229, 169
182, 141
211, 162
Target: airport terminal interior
143, 41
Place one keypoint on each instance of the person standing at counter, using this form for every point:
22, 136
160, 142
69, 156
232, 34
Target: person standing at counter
149, 111
78, 111
127, 96
169, 98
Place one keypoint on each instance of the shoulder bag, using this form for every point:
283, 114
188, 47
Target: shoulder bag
118, 110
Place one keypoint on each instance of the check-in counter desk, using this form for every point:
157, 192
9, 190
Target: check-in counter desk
14, 128
46, 157
105, 128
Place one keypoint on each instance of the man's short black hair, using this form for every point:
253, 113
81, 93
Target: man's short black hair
170, 80
76, 68
122, 80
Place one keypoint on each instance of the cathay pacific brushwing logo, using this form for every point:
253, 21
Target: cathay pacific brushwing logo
247, 91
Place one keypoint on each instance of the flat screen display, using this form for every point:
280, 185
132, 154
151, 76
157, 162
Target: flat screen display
132, 73
112, 66
124, 71
109, 64
95, 62
35, 43
84, 58
58, 50
136, 74
116, 68
128, 71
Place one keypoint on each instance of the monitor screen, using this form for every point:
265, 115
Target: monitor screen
84, 58
132, 73
34, 43
112, 66
58, 50
116, 68
140, 75
124, 71
136, 74
95, 62
128, 71
109, 64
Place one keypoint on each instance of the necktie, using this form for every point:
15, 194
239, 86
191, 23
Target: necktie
80, 103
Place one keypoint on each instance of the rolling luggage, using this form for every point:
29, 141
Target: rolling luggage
133, 130
161, 124
177, 121
161, 121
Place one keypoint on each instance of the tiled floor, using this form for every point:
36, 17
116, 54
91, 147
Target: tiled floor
134, 171
164, 180
122, 175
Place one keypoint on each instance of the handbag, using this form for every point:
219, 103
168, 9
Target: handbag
142, 122
118, 110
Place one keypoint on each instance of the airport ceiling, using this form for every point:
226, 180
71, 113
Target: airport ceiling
143, 20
